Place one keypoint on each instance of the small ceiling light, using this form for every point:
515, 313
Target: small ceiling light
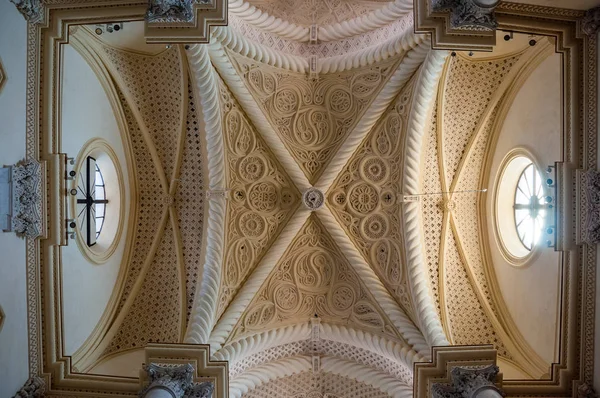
453, 54
532, 42
117, 28
470, 53
98, 31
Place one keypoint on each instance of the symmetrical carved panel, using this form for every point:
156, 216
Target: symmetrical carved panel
313, 278
262, 197
312, 116
365, 197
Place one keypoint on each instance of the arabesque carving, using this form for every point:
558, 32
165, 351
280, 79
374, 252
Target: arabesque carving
312, 116
365, 198
313, 278
262, 197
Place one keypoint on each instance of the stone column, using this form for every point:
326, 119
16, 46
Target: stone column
174, 382
470, 383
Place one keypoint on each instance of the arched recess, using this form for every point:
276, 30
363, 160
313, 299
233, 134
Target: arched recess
91, 287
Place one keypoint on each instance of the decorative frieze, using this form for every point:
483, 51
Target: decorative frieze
591, 188
32, 10
477, 14
591, 22
21, 198
34, 387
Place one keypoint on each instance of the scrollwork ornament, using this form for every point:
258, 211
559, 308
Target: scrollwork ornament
590, 23
27, 199
467, 13
169, 11
32, 10
34, 387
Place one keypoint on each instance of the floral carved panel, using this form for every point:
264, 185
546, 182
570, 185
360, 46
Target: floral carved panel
312, 116
262, 197
314, 278
365, 198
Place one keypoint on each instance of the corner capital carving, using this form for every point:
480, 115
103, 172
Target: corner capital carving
169, 11
590, 24
586, 391
34, 387
175, 379
476, 14
467, 382
32, 10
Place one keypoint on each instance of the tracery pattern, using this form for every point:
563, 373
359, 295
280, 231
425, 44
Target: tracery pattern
312, 116
327, 385
322, 12
364, 198
262, 197
313, 278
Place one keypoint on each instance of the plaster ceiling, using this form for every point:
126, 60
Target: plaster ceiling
225, 139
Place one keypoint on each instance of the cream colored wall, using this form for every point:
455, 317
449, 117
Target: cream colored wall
14, 367
86, 113
531, 292
126, 364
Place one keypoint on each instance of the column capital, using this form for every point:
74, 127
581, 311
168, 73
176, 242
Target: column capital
175, 379
32, 10
590, 24
469, 13
34, 387
468, 382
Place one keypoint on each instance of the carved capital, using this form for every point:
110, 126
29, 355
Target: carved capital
200, 390
467, 383
27, 199
590, 23
32, 10
34, 387
586, 391
170, 11
591, 187
477, 14
178, 380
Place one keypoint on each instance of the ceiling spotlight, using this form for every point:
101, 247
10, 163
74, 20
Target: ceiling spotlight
117, 28
98, 31
470, 53
532, 42
453, 54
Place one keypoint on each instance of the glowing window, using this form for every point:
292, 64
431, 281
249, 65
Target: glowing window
91, 201
529, 208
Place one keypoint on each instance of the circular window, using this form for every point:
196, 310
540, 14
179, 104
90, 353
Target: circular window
520, 207
97, 200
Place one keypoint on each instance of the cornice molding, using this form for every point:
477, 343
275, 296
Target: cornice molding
423, 98
265, 373
409, 332
202, 318
367, 375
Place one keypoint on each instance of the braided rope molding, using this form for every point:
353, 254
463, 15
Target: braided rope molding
409, 64
235, 42
247, 292
265, 373
367, 375
338, 31
424, 95
237, 86
380, 345
366, 23
390, 307
237, 350
258, 52
204, 309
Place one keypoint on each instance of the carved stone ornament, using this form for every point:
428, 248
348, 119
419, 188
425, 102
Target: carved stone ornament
169, 11
27, 196
467, 382
468, 13
313, 199
34, 387
586, 391
177, 380
32, 10
591, 21
591, 227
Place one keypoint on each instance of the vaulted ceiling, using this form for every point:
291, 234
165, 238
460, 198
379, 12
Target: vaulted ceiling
226, 137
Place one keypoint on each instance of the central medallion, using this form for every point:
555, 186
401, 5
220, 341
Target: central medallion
313, 199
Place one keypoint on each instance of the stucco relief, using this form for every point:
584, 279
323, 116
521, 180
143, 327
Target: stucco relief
313, 278
312, 116
364, 198
262, 197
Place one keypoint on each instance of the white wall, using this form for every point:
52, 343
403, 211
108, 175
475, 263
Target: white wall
87, 113
531, 292
14, 366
